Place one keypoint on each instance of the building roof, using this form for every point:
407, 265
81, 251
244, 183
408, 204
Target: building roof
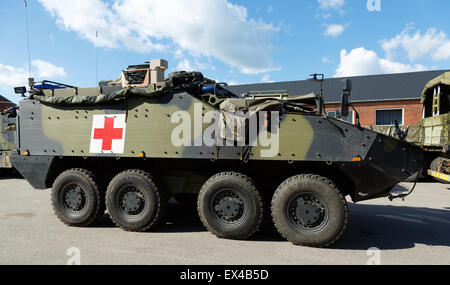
386, 87
4, 100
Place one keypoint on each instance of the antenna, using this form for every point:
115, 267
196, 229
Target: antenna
315, 77
96, 58
28, 37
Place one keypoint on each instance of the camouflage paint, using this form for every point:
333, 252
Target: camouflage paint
66, 131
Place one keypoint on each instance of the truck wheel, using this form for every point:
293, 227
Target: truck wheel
309, 210
134, 202
435, 167
76, 198
230, 206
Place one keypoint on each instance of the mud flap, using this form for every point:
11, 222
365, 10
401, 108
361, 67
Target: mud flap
34, 169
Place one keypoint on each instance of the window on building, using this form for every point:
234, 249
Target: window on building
388, 117
337, 114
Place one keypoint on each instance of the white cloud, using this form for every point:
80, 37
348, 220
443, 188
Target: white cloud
443, 51
334, 30
417, 45
360, 61
13, 76
178, 53
331, 4
47, 69
211, 28
187, 65
266, 78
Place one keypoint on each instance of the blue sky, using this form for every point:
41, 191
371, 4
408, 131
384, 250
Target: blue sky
231, 41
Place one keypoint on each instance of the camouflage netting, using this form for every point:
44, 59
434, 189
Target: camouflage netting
102, 98
238, 111
268, 104
234, 116
179, 81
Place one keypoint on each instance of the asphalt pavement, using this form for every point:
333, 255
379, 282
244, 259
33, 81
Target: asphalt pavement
416, 231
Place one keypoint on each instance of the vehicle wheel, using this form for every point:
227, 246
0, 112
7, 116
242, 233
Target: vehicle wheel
435, 167
134, 202
309, 210
230, 206
76, 198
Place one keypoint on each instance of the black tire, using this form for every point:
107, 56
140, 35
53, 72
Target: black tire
76, 198
309, 210
236, 195
134, 201
435, 167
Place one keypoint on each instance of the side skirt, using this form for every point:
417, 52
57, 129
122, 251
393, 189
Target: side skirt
34, 169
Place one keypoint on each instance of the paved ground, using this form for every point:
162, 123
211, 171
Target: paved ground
416, 231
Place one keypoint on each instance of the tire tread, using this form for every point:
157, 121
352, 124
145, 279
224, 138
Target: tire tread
161, 199
332, 185
247, 181
100, 207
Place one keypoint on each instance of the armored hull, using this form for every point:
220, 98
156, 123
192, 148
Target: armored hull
308, 142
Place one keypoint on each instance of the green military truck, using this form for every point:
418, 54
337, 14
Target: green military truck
434, 134
7, 137
130, 144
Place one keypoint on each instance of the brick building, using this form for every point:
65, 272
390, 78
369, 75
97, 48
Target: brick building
379, 99
5, 103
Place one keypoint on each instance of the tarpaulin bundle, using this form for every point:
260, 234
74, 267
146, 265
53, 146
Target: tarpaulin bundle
99, 99
190, 82
11, 111
238, 112
267, 103
180, 81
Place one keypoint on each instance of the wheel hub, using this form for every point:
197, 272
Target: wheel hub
308, 211
74, 198
229, 207
132, 201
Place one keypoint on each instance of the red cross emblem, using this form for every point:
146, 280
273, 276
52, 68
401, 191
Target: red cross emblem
108, 133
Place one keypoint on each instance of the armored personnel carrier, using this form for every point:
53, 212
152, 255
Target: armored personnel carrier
130, 144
